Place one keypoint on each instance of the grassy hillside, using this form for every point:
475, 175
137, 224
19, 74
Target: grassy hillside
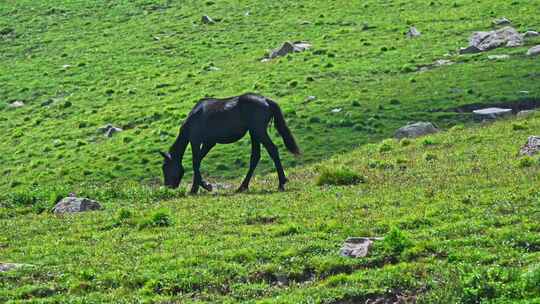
141, 65
459, 212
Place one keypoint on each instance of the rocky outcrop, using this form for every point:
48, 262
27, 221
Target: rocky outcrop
485, 41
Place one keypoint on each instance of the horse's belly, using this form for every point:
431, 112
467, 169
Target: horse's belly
226, 136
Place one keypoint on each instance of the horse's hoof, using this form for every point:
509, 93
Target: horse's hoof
281, 188
242, 189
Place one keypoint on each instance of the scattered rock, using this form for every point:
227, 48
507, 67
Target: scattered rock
525, 113
309, 99
530, 34
4, 267
485, 41
336, 110
16, 104
207, 20
357, 247
436, 64
108, 130
491, 113
415, 130
531, 147
66, 66
534, 51
288, 48
72, 204
502, 21
413, 32
498, 57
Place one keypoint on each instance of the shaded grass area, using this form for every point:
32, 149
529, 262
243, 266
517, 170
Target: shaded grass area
141, 65
457, 210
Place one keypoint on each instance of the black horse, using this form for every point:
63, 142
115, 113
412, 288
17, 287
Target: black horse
225, 121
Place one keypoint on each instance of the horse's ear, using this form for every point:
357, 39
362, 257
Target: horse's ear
165, 155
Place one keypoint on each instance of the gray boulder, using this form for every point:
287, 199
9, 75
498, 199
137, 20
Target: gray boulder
491, 113
530, 34
5, 267
531, 147
207, 20
413, 32
534, 51
485, 41
289, 47
502, 21
74, 204
357, 247
416, 129
108, 130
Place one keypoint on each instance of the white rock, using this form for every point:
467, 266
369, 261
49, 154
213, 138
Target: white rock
502, 21
413, 32
498, 57
289, 47
530, 34
336, 110
491, 113
357, 247
16, 104
531, 147
534, 51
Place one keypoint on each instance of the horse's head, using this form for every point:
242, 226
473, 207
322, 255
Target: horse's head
172, 170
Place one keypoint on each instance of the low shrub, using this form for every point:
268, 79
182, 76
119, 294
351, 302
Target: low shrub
339, 176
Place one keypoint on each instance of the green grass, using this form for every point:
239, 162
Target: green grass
458, 227
458, 210
141, 65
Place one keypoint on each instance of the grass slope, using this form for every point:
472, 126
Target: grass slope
142, 64
459, 212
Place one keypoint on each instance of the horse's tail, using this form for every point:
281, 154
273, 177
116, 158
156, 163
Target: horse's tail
282, 128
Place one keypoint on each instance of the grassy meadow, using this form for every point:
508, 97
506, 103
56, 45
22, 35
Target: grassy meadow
459, 211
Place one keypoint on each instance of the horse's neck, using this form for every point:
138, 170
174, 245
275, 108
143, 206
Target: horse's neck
179, 147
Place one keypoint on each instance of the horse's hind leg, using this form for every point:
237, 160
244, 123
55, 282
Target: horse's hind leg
254, 160
274, 154
205, 149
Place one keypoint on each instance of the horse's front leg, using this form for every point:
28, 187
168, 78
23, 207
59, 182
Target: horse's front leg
205, 149
196, 161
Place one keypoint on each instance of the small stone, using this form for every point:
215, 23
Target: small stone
5, 267
530, 34
498, 57
16, 104
289, 47
310, 99
525, 113
108, 130
502, 21
491, 113
72, 204
357, 247
336, 110
415, 130
534, 51
66, 66
531, 147
413, 32
207, 20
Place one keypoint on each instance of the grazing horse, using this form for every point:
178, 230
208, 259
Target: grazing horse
226, 121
